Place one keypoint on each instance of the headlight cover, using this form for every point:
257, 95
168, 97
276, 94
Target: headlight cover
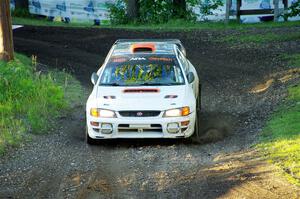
177, 112
97, 112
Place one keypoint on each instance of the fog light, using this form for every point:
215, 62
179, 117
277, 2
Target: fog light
185, 123
106, 128
173, 127
95, 123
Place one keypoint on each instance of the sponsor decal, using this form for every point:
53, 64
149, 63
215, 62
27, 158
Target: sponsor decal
118, 60
137, 59
165, 59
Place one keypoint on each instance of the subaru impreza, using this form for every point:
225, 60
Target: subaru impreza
144, 89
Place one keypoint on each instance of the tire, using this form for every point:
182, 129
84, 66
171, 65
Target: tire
196, 135
88, 139
199, 98
196, 131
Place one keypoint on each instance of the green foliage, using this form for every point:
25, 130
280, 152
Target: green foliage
207, 7
155, 11
172, 25
162, 11
293, 59
294, 10
261, 38
21, 12
117, 13
29, 101
45, 22
281, 137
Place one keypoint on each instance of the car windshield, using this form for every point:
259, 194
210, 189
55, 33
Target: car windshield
142, 70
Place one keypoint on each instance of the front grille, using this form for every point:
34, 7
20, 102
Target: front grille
141, 90
125, 128
139, 113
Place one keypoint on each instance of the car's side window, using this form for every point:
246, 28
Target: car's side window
183, 62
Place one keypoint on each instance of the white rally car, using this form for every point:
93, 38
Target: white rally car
144, 89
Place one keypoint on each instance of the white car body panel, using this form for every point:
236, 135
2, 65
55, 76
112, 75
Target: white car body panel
142, 127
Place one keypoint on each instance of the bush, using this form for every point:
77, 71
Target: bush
21, 12
117, 12
29, 101
294, 10
160, 11
207, 6
155, 11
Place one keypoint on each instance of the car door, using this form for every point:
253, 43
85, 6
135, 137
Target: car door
195, 83
188, 67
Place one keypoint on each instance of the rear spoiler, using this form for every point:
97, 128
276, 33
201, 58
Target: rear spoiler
170, 41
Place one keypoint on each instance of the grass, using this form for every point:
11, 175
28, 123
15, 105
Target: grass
293, 59
30, 101
281, 136
174, 25
261, 38
45, 22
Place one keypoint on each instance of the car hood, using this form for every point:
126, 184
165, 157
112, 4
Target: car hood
141, 98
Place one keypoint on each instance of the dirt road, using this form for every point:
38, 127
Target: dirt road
236, 102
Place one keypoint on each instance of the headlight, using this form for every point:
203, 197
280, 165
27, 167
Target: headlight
177, 112
96, 112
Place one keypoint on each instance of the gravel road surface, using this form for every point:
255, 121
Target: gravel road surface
237, 98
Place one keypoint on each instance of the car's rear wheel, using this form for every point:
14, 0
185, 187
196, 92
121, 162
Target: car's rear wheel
88, 139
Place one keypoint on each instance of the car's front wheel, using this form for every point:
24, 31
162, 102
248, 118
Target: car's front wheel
88, 139
196, 131
196, 135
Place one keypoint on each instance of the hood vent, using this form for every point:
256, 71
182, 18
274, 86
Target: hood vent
143, 47
141, 90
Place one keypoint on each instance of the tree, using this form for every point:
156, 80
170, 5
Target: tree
132, 9
21, 4
6, 39
179, 10
294, 10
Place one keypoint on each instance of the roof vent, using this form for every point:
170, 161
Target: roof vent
143, 47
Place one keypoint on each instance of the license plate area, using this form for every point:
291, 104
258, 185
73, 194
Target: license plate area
139, 128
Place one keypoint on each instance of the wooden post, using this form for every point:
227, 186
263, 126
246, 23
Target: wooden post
227, 14
238, 9
6, 38
276, 10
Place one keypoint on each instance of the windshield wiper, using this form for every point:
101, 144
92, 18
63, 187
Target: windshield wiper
112, 84
154, 84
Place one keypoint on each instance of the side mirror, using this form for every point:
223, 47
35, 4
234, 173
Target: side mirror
190, 77
94, 78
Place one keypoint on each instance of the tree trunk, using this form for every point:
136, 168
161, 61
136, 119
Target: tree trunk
21, 4
132, 9
227, 14
179, 10
6, 41
276, 10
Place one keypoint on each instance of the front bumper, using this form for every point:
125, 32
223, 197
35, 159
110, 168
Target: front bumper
140, 127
